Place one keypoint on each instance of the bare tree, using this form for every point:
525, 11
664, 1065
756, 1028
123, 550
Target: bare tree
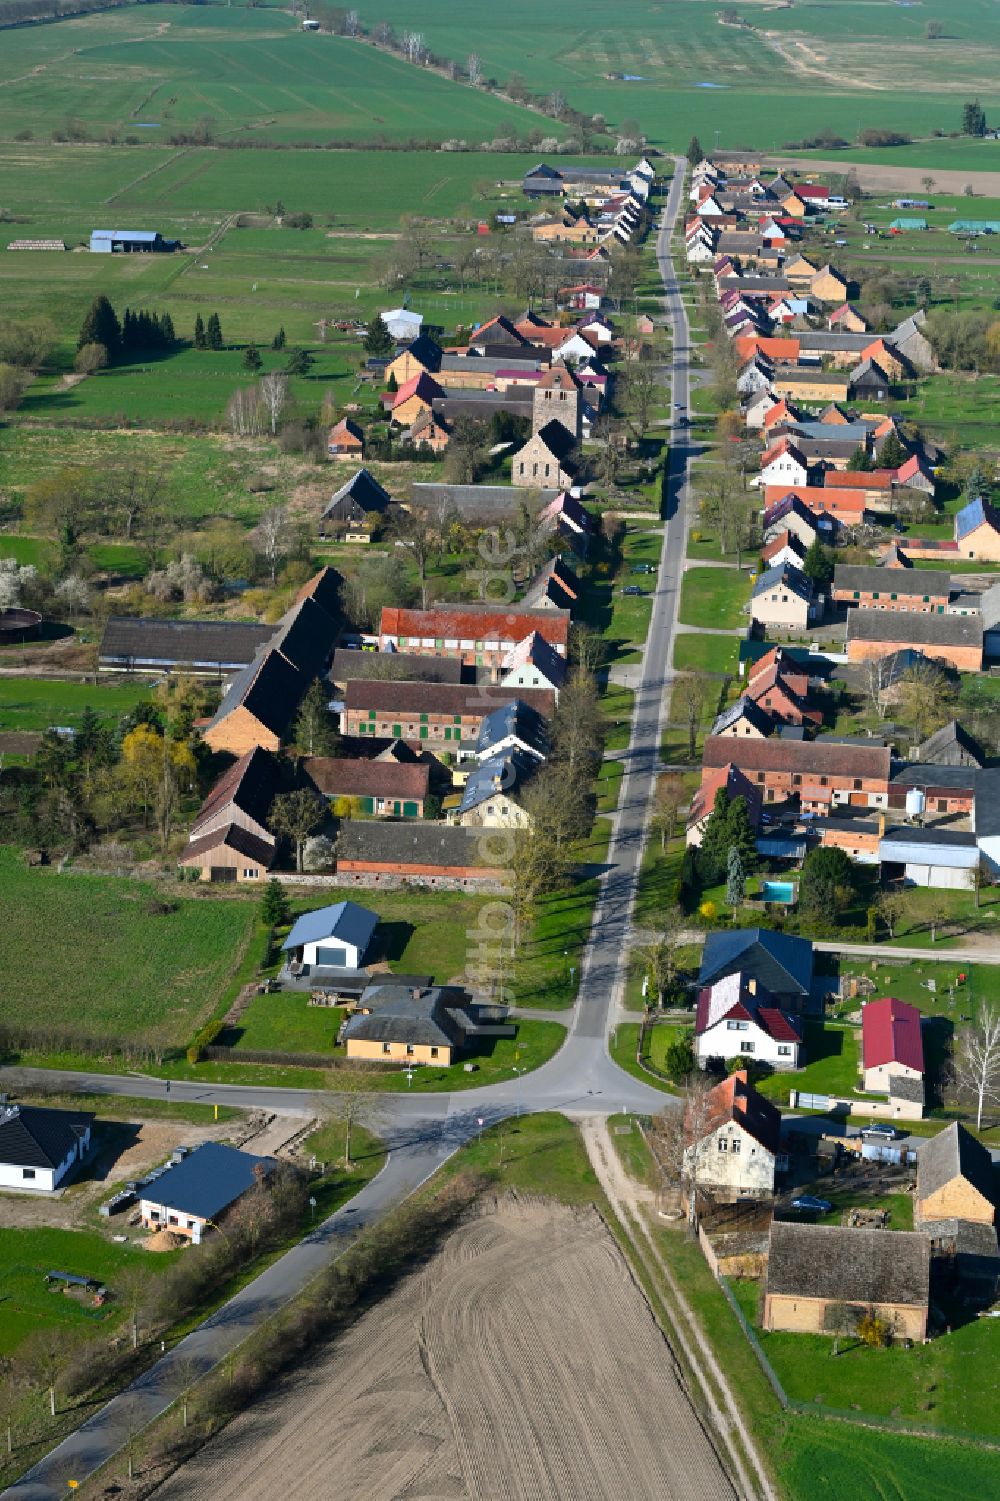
977, 1061
892, 906
679, 1137
273, 394
274, 533
245, 413
878, 679
668, 801
352, 23
689, 695
474, 67
351, 1104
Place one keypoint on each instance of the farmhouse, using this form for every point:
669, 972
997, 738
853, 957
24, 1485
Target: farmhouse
783, 598
389, 789
891, 1044
736, 1017
821, 1279
956, 640
202, 1189
821, 774
955, 1179
493, 797
334, 937
204, 648
39, 1147
736, 1153
345, 439
477, 636
448, 714
876, 588
514, 726
350, 665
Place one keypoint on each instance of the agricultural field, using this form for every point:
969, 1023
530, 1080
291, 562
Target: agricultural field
570, 1307
113, 965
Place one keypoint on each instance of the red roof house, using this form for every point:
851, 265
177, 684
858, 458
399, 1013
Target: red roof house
891, 1043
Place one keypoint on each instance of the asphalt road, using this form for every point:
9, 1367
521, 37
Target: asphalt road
422, 1131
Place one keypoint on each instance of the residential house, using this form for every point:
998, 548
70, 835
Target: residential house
356, 509
429, 431
533, 663
827, 504
414, 398
584, 297
448, 716
345, 439
736, 1017
955, 1180
783, 465
38, 1147
387, 789
783, 548
821, 1279
828, 286
513, 726
493, 797
800, 268
977, 531
737, 1152
780, 965
820, 774
847, 319
419, 1024
955, 640
477, 636
924, 592
783, 599
428, 854
200, 648
200, 1190
334, 937
727, 778
891, 1044
744, 718
546, 459
785, 514
782, 694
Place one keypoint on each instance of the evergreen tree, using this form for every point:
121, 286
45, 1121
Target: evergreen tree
199, 333
973, 119
314, 733
251, 358
299, 361
167, 330
392, 384
378, 339
818, 564
736, 880
278, 342
213, 332
827, 883
274, 905
728, 828
860, 460
694, 151
101, 326
892, 453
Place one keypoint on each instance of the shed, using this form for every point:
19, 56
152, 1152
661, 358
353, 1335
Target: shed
822, 1279
955, 1179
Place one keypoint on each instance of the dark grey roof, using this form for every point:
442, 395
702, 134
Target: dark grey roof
515, 719
809, 374
849, 1266
33, 1137
954, 1153
427, 351
404, 1015
461, 364
779, 962
784, 576
362, 492
430, 844
903, 1087
397, 666
986, 814
517, 400
343, 920
305, 637
830, 343
505, 774
744, 708
218, 645
208, 1181
920, 774
249, 785
952, 745
920, 834
920, 629
475, 501
890, 581
269, 689
230, 836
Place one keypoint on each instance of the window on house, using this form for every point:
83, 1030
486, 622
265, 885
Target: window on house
409, 1050
435, 1052
723, 1144
387, 1047
746, 1047
784, 1051
27, 1172
737, 1144
735, 1026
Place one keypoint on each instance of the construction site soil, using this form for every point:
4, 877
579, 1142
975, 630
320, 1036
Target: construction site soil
522, 1363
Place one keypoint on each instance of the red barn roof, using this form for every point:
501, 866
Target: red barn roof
890, 1033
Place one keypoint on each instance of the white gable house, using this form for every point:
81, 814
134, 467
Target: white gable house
737, 1019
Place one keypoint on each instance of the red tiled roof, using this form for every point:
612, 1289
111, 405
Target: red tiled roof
782, 540
418, 385
811, 758
858, 479
890, 1033
475, 625
786, 351
735, 1099
818, 498
736, 784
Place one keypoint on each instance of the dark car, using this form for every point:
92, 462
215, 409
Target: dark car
644, 568
812, 1204
879, 1131
633, 589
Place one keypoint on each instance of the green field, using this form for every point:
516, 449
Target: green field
693, 653
714, 598
37, 703
116, 969
30, 1305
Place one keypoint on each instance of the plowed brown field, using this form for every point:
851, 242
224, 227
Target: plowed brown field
521, 1364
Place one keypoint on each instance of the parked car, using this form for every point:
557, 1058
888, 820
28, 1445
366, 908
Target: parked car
879, 1131
633, 589
644, 568
814, 1205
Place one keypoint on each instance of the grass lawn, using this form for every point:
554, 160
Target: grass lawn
718, 654
287, 1024
37, 703
617, 705
28, 1304
609, 785
537, 1154
832, 1066
714, 598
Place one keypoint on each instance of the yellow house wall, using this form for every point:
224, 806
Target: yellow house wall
375, 1052
956, 1200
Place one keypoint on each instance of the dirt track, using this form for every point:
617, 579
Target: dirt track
521, 1364
881, 177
